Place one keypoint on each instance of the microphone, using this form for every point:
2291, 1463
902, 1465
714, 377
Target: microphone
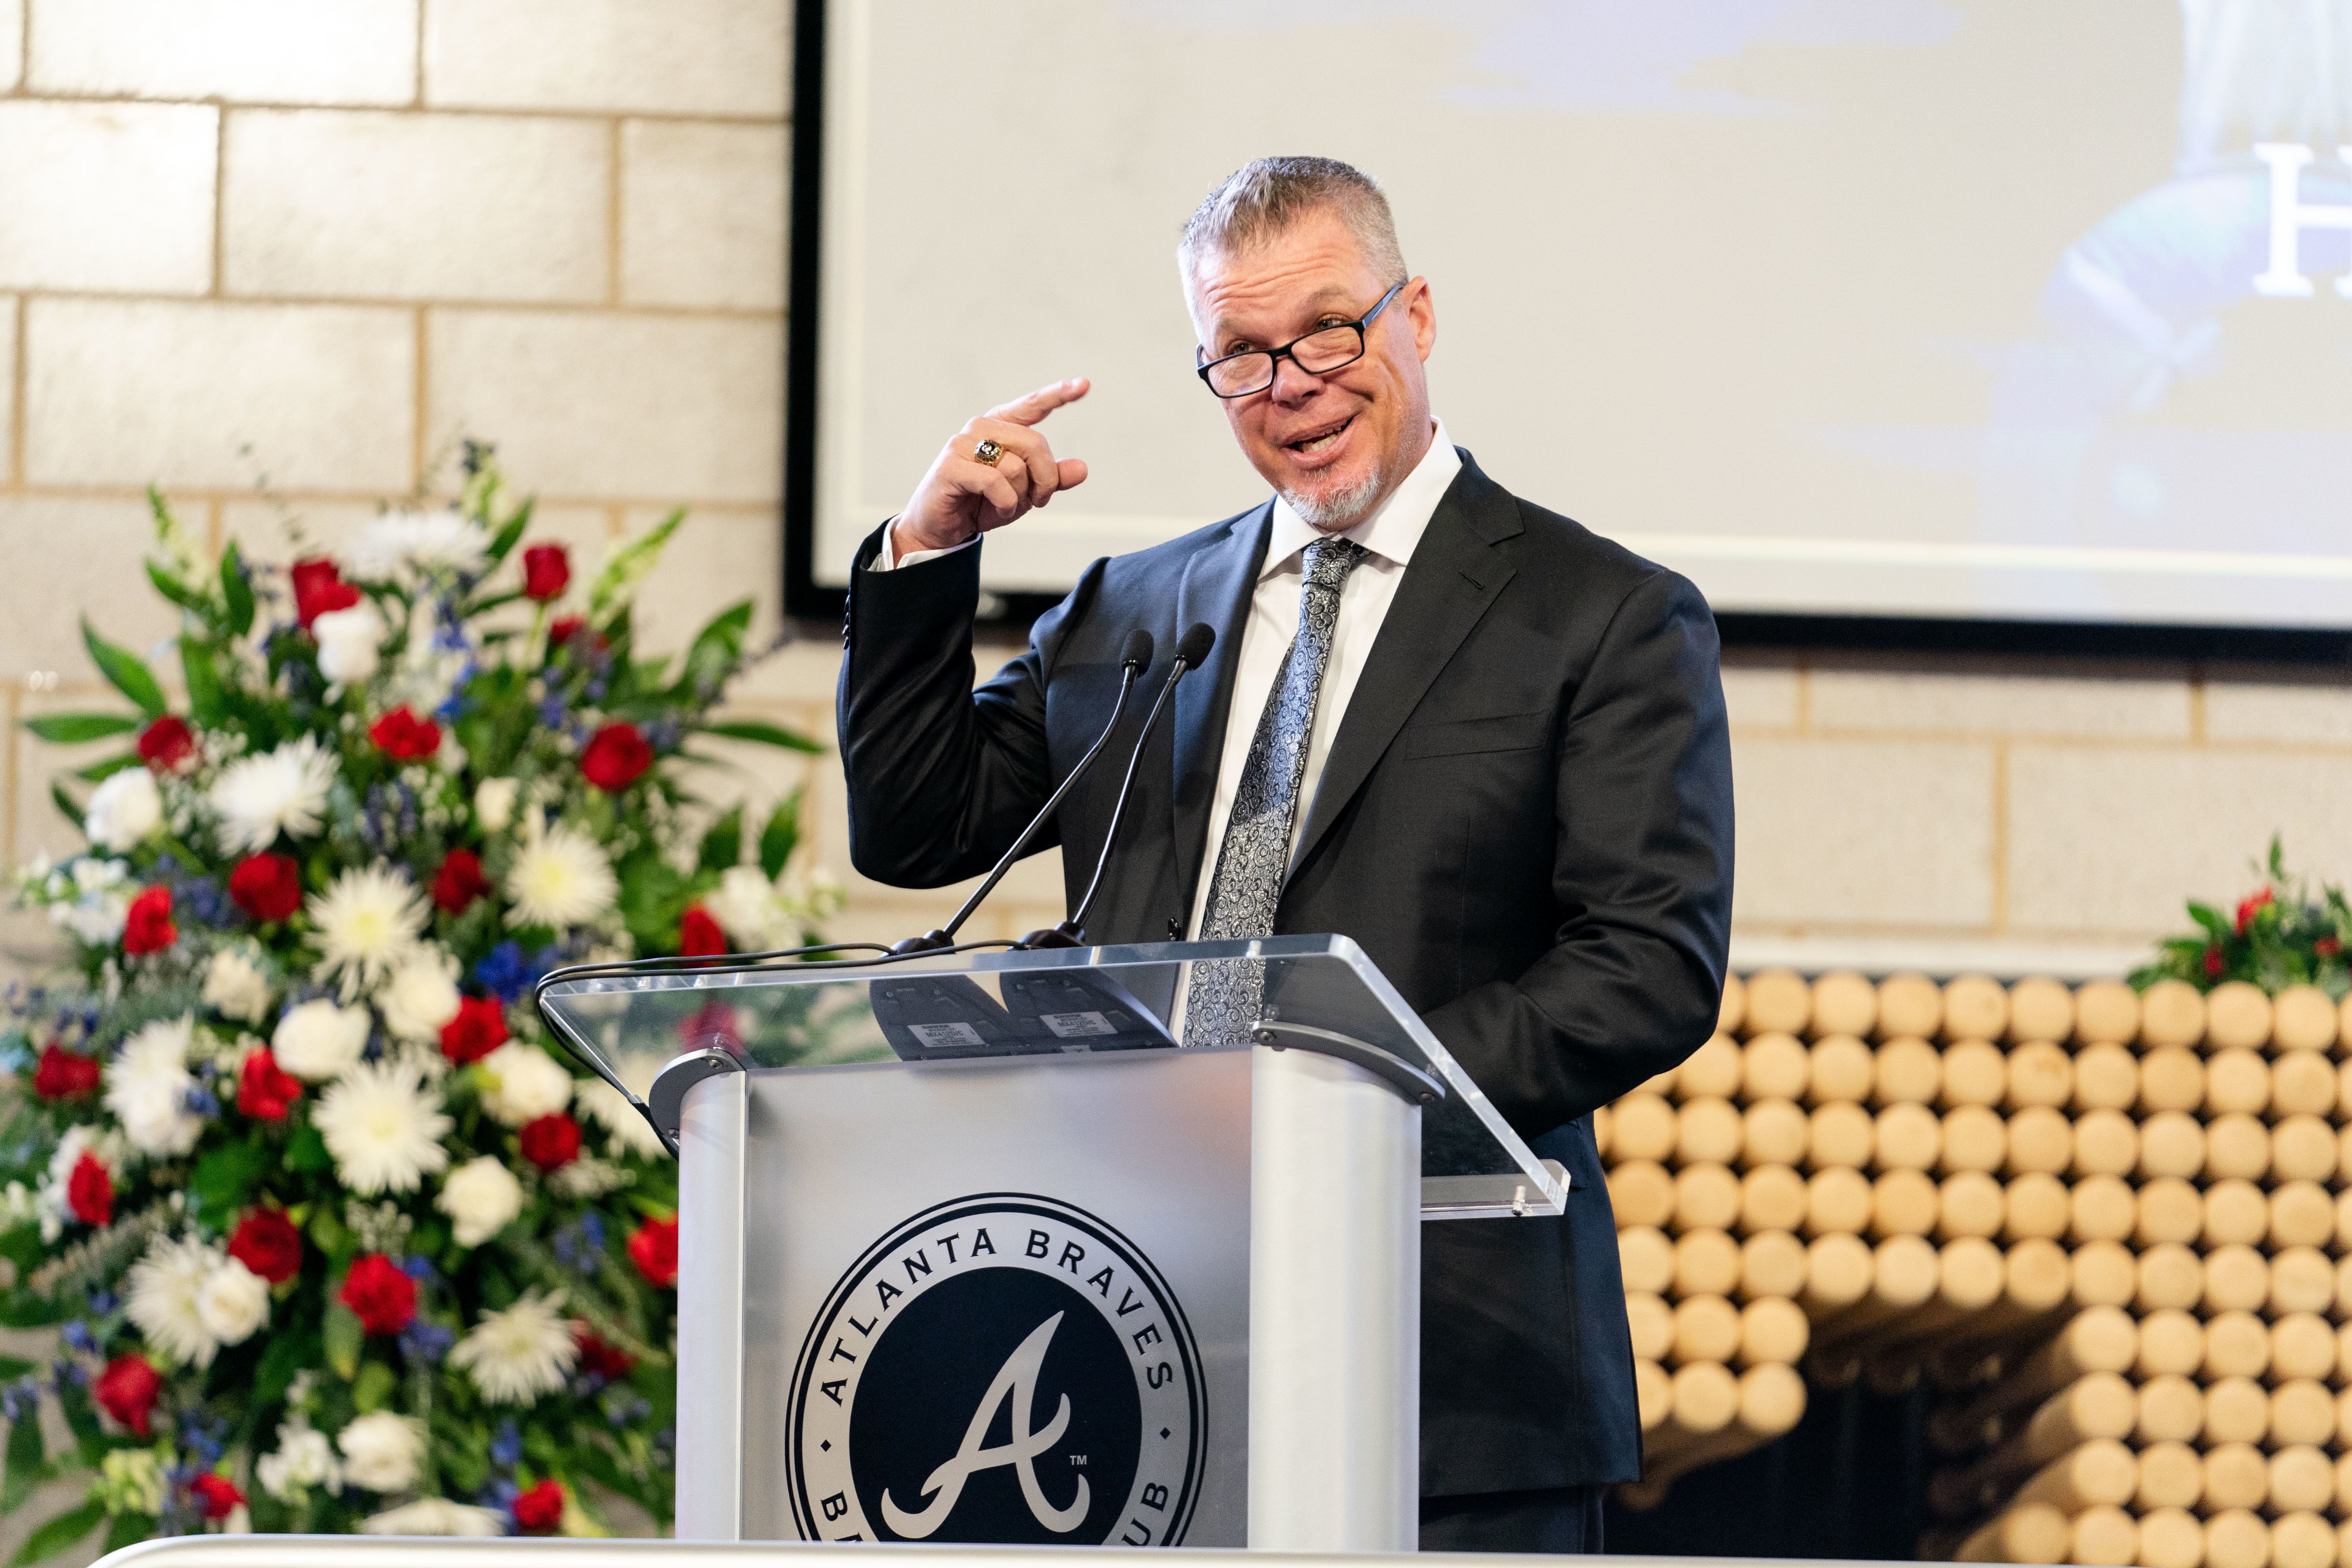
1191, 650
1133, 660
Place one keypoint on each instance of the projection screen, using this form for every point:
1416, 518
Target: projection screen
2000, 309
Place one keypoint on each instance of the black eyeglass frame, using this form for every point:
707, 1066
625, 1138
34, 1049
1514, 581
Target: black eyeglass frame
1275, 357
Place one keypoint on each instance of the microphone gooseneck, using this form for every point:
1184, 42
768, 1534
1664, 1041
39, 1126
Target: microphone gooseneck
1133, 660
1191, 650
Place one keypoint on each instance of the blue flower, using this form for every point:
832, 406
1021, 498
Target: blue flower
551, 710
76, 1335
201, 1103
427, 1343
101, 1302
506, 1447
419, 1267
505, 973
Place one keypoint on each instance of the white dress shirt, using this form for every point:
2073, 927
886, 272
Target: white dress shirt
1389, 536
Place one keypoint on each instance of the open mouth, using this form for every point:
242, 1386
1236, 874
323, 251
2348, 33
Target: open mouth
1321, 440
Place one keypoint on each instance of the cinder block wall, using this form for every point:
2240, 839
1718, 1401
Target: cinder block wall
321, 243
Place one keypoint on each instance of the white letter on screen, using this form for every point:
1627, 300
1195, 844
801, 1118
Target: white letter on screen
2289, 217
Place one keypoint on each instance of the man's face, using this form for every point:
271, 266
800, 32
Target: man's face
1333, 445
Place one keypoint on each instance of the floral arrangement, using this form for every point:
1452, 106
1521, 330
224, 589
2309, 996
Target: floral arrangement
2280, 935
332, 1238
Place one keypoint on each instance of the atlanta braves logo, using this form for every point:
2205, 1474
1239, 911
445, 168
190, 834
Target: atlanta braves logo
917, 1396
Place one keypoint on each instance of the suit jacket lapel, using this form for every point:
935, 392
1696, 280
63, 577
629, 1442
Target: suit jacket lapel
1456, 571
1216, 587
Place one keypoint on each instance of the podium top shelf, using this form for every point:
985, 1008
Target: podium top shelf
1322, 994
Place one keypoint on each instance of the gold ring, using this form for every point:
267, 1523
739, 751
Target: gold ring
987, 452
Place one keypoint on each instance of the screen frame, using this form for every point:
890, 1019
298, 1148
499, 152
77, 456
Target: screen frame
807, 598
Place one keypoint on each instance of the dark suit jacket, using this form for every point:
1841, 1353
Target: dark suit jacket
1524, 820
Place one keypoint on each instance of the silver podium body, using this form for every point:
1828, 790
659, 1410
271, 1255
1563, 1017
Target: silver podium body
970, 1251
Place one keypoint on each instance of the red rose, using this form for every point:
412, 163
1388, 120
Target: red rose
216, 1496
61, 1074
319, 587
384, 1297
402, 734
600, 1359
147, 927
459, 881
2215, 965
479, 1028
616, 755
550, 1143
166, 743
127, 1391
541, 1509
2327, 947
267, 887
266, 1242
546, 572
566, 632
699, 935
89, 1191
653, 1247
2247, 906
265, 1091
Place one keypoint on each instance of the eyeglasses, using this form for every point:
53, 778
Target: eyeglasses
1319, 353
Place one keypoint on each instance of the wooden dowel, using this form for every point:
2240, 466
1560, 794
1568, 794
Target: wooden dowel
1651, 1324
1778, 1001
1711, 1071
1733, 1010
2018, 1534
2171, 1343
2169, 1409
2105, 1274
2302, 1149
2040, 1009
2170, 1538
2235, 1211
1976, 1072
1909, 1005
1771, 1197
2170, 1276
2301, 1541
2302, 1279
1774, 1132
2171, 1013
2237, 1279
1772, 1264
1706, 1197
1774, 1066
2237, 1079
2303, 1414
1838, 1135
1708, 1129
2344, 1365
2040, 1138
2104, 1537
1641, 1193
1604, 1117
2168, 1209
2035, 1206
2303, 1083
2171, 1078
2039, 1074
1837, 1275
1653, 1394
2344, 1219
2171, 1143
1974, 1138
1837, 1202
2096, 1404
1844, 1003
2235, 1476
1770, 1400
2237, 1411
2106, 1010
1645, 1258
2106, 1144
1841, 1067
2237, 1344
2100, 1471
2106, 1078
1705, 1329
1968, 1203
2100, 1208
2303, 1019
1642, 1127
2171, 1475
1902, 1202
1704, 1398
1903, 1276
1975, 1008
2343, 1479
1707, 1263
2036, 1278
1906, 1070
2303, 1345
1774, 1329
2237, 1014
1907, 1137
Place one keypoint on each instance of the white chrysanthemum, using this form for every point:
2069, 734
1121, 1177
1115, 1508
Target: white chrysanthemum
162, 1300
317, 1040
381, 1451
147, 1087
384, 1129
123, 810
604, 1105
236, 986
233, 1302
749, 910
560, 877
351, 643
421, 995
435, 1515
522, 1083
587, 1177
444, 540
303, 1459
520, 1353
284, 791
367, 922
481, 1197
494, 804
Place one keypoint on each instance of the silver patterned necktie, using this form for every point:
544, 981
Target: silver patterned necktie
1254, 859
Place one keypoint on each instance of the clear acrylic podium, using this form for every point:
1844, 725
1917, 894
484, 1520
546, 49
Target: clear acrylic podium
970, 1251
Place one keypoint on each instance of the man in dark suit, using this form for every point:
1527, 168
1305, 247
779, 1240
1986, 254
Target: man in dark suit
1484, 743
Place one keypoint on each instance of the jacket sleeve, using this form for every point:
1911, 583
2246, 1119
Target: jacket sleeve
942, 777
1642, 875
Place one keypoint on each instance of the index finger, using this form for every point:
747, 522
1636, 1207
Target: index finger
1029, 410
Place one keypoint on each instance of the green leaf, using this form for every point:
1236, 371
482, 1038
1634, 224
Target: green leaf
287, 1354
224, 1178
236, 592
78, 729
764, 734
307, 1150
628, 566
723, 847
65, 802
106, 769
26, 1460
372, 1386
716, 647
61, 1532
124, 670
81, 1418
781, 837
208, 699
510, 532
129, 1530
179, 592
344, 1340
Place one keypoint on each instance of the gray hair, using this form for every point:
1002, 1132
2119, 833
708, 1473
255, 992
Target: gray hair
1265, 195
